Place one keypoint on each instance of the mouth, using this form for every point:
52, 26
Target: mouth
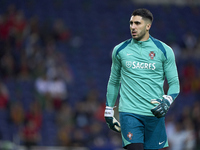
133, 33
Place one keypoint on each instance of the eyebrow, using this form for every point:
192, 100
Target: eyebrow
135, 21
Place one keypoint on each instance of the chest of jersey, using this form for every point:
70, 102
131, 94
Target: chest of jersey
141, 59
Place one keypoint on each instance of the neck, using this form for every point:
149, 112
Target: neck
145, 37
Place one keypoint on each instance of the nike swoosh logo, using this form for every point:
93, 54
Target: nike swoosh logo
129, 54
161, 142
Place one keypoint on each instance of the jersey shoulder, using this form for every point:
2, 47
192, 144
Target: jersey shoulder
166, 49
121, 46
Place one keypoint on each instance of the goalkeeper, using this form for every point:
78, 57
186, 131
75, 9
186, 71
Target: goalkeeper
139, 68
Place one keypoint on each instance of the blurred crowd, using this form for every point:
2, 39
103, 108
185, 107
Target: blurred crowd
28, 52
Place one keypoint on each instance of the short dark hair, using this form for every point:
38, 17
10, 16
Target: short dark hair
144, 13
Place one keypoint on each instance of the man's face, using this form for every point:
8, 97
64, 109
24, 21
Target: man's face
139, 28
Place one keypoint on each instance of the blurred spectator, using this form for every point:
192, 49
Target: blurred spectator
51, 58
17, 113
8, 66
5, 27
55, 89
88, 109
6, 22
63, 69
177, 138
60, 31
11, 12
92, 101
30, 135
33, 38
99, 113
181, 130
79, 138
18, 29
65, 116
97, 138
24, 68
189, 75
58, 91
197, 50
65, 123
4, 96
190, 142
189, 40
177, 50
196, 120
65, 136
81, 115
34, 115
76, 42
41, 84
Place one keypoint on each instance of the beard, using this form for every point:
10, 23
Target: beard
140, 36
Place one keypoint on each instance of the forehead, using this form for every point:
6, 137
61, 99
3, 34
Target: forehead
136, 18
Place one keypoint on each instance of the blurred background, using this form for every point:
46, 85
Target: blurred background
55, 59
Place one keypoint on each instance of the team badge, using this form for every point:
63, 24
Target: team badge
128, 64
151, 54
129, 135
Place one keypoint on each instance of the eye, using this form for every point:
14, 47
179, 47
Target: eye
131, 22
137, 23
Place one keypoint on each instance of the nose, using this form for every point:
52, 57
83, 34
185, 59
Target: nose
132, 26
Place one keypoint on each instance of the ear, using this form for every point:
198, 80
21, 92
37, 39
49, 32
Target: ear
148, 26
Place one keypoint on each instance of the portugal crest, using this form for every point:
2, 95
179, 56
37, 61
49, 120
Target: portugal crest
129, 135
151, 54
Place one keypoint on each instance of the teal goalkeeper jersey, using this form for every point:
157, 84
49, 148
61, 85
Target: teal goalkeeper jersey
138, 71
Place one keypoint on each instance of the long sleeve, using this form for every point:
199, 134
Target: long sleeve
114, 80
171, 74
